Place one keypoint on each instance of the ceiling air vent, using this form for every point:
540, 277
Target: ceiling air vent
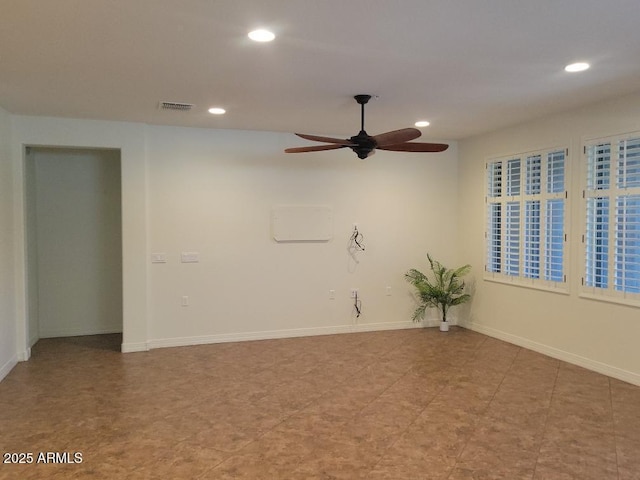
175, 106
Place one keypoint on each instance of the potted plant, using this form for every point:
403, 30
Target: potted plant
443, 291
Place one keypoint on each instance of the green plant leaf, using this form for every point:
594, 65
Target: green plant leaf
442, 289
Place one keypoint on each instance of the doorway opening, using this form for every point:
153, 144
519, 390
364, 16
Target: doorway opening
73, 242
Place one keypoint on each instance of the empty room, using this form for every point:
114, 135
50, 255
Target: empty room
300, 239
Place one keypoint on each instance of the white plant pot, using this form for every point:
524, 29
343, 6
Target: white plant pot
444, 326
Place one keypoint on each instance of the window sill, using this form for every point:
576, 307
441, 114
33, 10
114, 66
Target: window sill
524, 283
629, 302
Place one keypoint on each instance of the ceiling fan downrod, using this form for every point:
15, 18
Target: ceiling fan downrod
362, 101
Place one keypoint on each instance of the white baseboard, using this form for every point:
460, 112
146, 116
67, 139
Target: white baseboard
79, 332
134, 347
7, 367
24, 355
599, 367
268, 335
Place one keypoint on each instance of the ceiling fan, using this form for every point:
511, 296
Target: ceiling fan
365, 145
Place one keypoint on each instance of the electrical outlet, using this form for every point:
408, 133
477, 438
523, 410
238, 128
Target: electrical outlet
387, 291
354, 292
332, 294
185, 301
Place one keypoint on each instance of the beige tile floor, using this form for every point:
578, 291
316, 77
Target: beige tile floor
411, 404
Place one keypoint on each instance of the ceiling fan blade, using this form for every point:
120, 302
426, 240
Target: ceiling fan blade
416, 147
316, 138
397, 136
314, 148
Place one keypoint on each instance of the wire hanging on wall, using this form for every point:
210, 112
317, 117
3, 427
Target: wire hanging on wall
356, 239
357, 305
355, 245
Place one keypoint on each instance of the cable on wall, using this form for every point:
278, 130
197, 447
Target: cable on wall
357, 305
356, 239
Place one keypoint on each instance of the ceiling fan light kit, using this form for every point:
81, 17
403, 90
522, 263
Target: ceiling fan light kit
365, 145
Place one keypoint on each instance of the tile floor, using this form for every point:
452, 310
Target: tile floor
409, 404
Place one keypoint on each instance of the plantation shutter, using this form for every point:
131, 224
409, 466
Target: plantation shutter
531, 260
512, 239
494, 237
627, 241
612, 209
554, 217
554, 241
494, 217
525, 217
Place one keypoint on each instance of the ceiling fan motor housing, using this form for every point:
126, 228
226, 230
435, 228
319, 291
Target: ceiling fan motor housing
365, 144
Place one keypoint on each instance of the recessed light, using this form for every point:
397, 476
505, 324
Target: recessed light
217, 110
576, 67
261, 35
422, 123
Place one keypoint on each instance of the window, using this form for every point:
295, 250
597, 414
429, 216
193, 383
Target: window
612, 217
526, 203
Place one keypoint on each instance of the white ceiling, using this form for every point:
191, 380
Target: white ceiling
468, 66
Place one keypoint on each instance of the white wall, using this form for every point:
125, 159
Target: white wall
8, 350
212, 191
601, 336
78, 239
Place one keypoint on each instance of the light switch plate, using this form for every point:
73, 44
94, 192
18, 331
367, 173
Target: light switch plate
190, 257
158, 258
